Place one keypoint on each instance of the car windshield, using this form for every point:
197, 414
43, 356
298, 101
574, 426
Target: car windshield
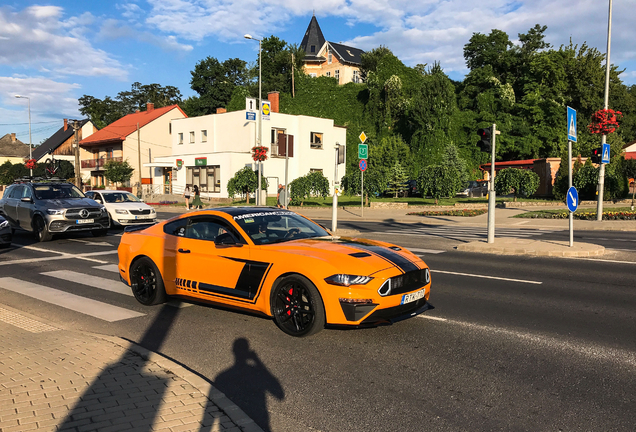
120, 197
57, 191
277, 227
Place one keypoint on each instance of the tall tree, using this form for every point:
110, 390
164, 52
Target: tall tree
214, 82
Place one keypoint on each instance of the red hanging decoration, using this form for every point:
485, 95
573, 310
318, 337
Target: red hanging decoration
605, 121
30, 164
259, 153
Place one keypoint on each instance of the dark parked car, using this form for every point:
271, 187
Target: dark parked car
5, 232
49, 207
475, 189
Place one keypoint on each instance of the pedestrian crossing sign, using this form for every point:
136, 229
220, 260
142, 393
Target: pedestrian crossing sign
571, 124
606, 154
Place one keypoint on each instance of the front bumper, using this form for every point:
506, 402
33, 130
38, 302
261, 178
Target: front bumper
126, 220
5, 237
69, 225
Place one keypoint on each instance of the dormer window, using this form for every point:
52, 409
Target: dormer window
330, 58
312, 49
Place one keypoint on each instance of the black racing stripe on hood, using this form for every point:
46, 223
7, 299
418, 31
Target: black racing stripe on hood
398, 260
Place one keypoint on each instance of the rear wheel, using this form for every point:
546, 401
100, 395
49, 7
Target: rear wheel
297, 306
41, 231
146, 282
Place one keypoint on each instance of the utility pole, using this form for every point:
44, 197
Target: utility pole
601, 171
491, 192
293, 91
78, 174
140, 192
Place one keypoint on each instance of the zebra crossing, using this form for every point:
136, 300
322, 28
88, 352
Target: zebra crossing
84, 305
466, 233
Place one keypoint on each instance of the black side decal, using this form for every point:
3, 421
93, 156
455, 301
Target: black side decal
248, 284
386, 253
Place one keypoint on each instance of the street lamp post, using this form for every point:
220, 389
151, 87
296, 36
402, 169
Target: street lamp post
30, 145
259, 120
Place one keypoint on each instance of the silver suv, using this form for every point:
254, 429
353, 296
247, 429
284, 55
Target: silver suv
46, 208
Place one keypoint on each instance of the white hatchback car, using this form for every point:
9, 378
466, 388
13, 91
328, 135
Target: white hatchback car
123, 207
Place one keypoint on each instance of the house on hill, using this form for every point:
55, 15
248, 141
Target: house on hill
13, 150
323, 58
146, 133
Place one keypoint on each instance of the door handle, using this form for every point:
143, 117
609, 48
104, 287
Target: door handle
184, 250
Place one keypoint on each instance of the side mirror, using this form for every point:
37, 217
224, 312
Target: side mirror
225, 239
27, 200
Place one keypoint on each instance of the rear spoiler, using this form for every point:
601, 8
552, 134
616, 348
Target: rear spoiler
132, 228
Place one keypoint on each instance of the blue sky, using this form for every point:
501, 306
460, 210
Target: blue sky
56, 51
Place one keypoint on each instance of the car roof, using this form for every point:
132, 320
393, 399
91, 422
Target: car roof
236, 211
110, 191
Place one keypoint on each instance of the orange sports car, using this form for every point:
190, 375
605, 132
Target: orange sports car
275, 262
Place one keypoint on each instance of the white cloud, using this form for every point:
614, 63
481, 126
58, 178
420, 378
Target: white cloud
114, 29
38, 36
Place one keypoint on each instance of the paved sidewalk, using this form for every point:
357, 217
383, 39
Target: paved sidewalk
54, 379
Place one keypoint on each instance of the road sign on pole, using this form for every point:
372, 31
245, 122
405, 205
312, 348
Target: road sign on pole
572, 199
363, 151
571, 124
363, 165
251, 116
605, 158
363, 137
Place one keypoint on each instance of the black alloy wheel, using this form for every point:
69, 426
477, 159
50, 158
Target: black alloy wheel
297, 307
40, 229
146, 282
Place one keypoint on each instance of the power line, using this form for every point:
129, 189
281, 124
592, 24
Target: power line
21, 124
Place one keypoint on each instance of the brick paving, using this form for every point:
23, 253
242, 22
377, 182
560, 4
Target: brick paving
60, 380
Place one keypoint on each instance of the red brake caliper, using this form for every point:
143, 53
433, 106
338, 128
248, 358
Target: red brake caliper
291, 291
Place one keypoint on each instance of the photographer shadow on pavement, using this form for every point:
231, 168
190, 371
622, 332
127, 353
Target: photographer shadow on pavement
128, 391
247, 383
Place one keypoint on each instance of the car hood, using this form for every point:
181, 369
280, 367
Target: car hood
356, 256
70, 203
128, 206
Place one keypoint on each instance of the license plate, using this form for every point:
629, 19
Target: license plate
85, 221
142, 217
408, 298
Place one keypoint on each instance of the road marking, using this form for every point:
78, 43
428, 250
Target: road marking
487, 277
92, 243
110, 268
546, 341
86, 306
92, 281
603, 238
426, 251
522, 222
604, 260
61, 257
434, 318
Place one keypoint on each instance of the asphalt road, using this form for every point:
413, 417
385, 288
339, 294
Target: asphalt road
515, 343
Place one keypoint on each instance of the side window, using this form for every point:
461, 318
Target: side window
176, 228
17, 192
26, 192
9, 191
208, 228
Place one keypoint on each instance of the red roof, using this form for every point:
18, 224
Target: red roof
509, 164
120, 129
630, 155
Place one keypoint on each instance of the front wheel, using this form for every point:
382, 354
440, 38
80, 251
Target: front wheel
297, 306
41, 231
146, 282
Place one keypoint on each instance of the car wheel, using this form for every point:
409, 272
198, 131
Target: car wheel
99, 232
146, 282
41, 231
297, 307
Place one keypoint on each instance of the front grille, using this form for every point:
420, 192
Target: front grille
74, 213
397, 313
407, 282
140, 212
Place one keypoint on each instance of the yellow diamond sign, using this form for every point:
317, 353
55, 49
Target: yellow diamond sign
362, 137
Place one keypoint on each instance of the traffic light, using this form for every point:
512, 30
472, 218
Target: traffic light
596, 155
484, 140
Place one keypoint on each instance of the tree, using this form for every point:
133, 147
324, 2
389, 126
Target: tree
214, 82
244, 182
104, 112
118, 172
277, 65
522, 183
438, 181
397, 179
452, 158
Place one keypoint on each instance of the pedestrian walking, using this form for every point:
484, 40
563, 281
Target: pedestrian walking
196, 202
280, 197
186, 194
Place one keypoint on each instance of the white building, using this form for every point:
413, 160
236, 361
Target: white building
208, 150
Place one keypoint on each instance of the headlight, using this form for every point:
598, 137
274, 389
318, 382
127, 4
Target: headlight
346, 280
152, 211
55, 212
103, 209
120, 211
4, 224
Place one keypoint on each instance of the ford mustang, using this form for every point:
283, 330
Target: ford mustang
277, 263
